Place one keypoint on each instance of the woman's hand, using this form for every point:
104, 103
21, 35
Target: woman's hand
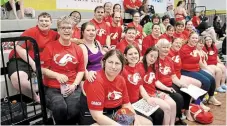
70, 90
171, 90
91, 76
151, 101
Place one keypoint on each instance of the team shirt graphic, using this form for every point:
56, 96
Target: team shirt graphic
148, 78
115, 95
62, 61
134, 79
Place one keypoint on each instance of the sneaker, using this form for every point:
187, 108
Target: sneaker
220, 89
180, 122
223, 86
214, 101
183, 117
206, 109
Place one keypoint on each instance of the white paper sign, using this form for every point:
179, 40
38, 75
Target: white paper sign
194, 91
143, 107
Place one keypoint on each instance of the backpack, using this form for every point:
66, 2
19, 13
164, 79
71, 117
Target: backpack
199, 115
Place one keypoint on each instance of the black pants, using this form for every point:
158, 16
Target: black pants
178, 98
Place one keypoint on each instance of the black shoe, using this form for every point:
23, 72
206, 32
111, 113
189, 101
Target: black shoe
180, 122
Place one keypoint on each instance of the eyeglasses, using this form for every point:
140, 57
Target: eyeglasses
66, 28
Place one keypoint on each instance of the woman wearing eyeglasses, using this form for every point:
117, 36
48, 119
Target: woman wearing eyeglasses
63, 70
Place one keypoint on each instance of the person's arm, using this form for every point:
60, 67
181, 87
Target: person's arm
176, 81
85, 53
144, 93
23, 54
161, 86
102, 119
185, 12
77, 41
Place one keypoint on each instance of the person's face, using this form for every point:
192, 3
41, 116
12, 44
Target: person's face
156, 20
76, 17
113, 66
117, 17
170, 32
130, 35
65, 31
99, 14
136, 17
156, 30
44, 23
176, 45
166, 21
89, 33
117, 8
189, 25
200, 45
132, 56
208, 41
164, 49
179, 28
108, 8
193, 40
151, 57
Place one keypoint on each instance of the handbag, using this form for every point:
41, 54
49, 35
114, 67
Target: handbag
17, 109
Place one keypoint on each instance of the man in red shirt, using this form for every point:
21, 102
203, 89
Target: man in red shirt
43, 35
130, 36
131, 6
115, 29
102, 29
151, 39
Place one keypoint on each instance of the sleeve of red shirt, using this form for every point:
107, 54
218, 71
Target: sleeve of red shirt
125, 99
95, 95
80, 56
47, 57
138, 3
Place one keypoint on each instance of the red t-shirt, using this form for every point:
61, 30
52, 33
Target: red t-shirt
148, 79
107, 18
194, 21
212, 55
41, 39
190, 58
165, 36
115, 34
186, 33
165, 71
148, 41
121, 22
103, 93
123, 44
139, 30
176, 61
133, 81
138, 3
67, 60
180, 35
129, 3
76, 33
102, 31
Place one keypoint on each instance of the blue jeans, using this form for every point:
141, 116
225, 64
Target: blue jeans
208, 81
65, 109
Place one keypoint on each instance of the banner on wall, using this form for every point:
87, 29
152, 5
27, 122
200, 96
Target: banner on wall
79, 4
160, 5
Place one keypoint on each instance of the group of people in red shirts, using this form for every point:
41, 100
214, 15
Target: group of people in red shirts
103, 69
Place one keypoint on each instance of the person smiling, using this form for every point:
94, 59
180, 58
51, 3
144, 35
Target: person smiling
43, 35
63, 67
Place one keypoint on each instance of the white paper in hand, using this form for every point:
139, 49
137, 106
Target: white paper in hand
143, 107
194, 91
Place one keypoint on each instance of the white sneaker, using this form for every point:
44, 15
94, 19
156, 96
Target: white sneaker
207, 109
214, 101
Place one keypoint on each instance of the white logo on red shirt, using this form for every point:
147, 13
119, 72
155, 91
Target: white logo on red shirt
115, 95
176, 59
134, 79
114, 35
165, 70
96, 103
137, 33
62, 60
211, 53
100, 32
194, 53
148, 78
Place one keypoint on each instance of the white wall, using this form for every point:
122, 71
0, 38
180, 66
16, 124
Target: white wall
212, 4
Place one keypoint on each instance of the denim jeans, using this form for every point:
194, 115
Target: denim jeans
208, 82
65, 109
